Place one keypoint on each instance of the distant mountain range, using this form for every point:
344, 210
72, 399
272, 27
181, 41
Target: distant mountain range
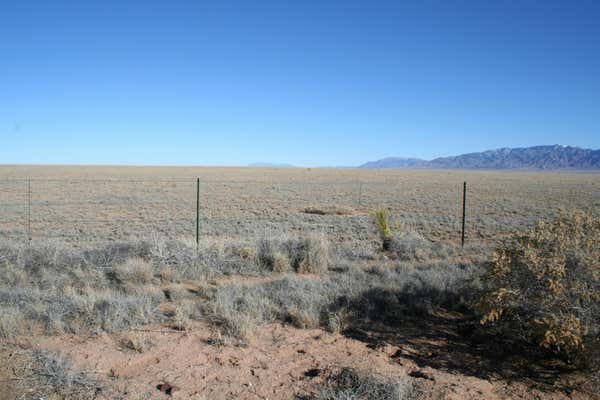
554, 157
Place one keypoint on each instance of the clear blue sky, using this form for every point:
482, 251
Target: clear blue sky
305, 82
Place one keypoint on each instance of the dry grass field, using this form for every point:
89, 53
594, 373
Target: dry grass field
110, 203
290, 293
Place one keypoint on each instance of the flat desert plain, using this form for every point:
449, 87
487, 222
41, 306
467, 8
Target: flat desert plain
108, 203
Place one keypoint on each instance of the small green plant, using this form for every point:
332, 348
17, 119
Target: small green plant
383, 225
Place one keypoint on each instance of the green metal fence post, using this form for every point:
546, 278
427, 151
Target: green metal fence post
29, 208
464, 209
197, 212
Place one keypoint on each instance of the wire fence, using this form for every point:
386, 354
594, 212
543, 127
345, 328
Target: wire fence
116, 209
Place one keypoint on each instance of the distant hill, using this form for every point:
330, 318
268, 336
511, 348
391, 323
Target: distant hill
271, 165
395, 162
554, 157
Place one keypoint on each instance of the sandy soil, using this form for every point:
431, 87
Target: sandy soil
278, 363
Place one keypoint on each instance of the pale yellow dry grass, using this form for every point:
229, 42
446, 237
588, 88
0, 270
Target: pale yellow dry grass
108, 203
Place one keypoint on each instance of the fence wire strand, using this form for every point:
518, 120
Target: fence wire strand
112, 208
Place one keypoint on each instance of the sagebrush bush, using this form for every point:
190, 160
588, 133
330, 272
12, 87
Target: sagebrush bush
115, 287
350, 384
135, 271
309, 254
56, 378
270, 257
545, 287
11, 320
116, 312
30, 373
184, 312
168, 274
336, 301
136, 341
410, 245
241, 309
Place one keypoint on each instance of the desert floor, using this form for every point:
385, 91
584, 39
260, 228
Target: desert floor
112, 297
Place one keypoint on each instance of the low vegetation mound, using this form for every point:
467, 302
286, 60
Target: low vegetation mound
41, 374
327, 210
309, 254
348, 383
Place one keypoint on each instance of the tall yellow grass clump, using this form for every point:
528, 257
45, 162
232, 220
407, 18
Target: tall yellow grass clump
545, 287
383, 226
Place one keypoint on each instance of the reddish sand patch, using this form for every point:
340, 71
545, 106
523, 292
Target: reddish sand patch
279, 363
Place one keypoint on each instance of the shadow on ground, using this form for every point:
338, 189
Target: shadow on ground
431, 330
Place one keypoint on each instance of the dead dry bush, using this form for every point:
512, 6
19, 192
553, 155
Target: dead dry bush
48, 375
136, 341
304, 255
544, 287
134, 271
270, 257
348, 383
309, 254
11, 322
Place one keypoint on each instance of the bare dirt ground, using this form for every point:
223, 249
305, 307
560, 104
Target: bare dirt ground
280, 362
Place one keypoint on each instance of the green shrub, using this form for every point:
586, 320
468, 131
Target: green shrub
383, 226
